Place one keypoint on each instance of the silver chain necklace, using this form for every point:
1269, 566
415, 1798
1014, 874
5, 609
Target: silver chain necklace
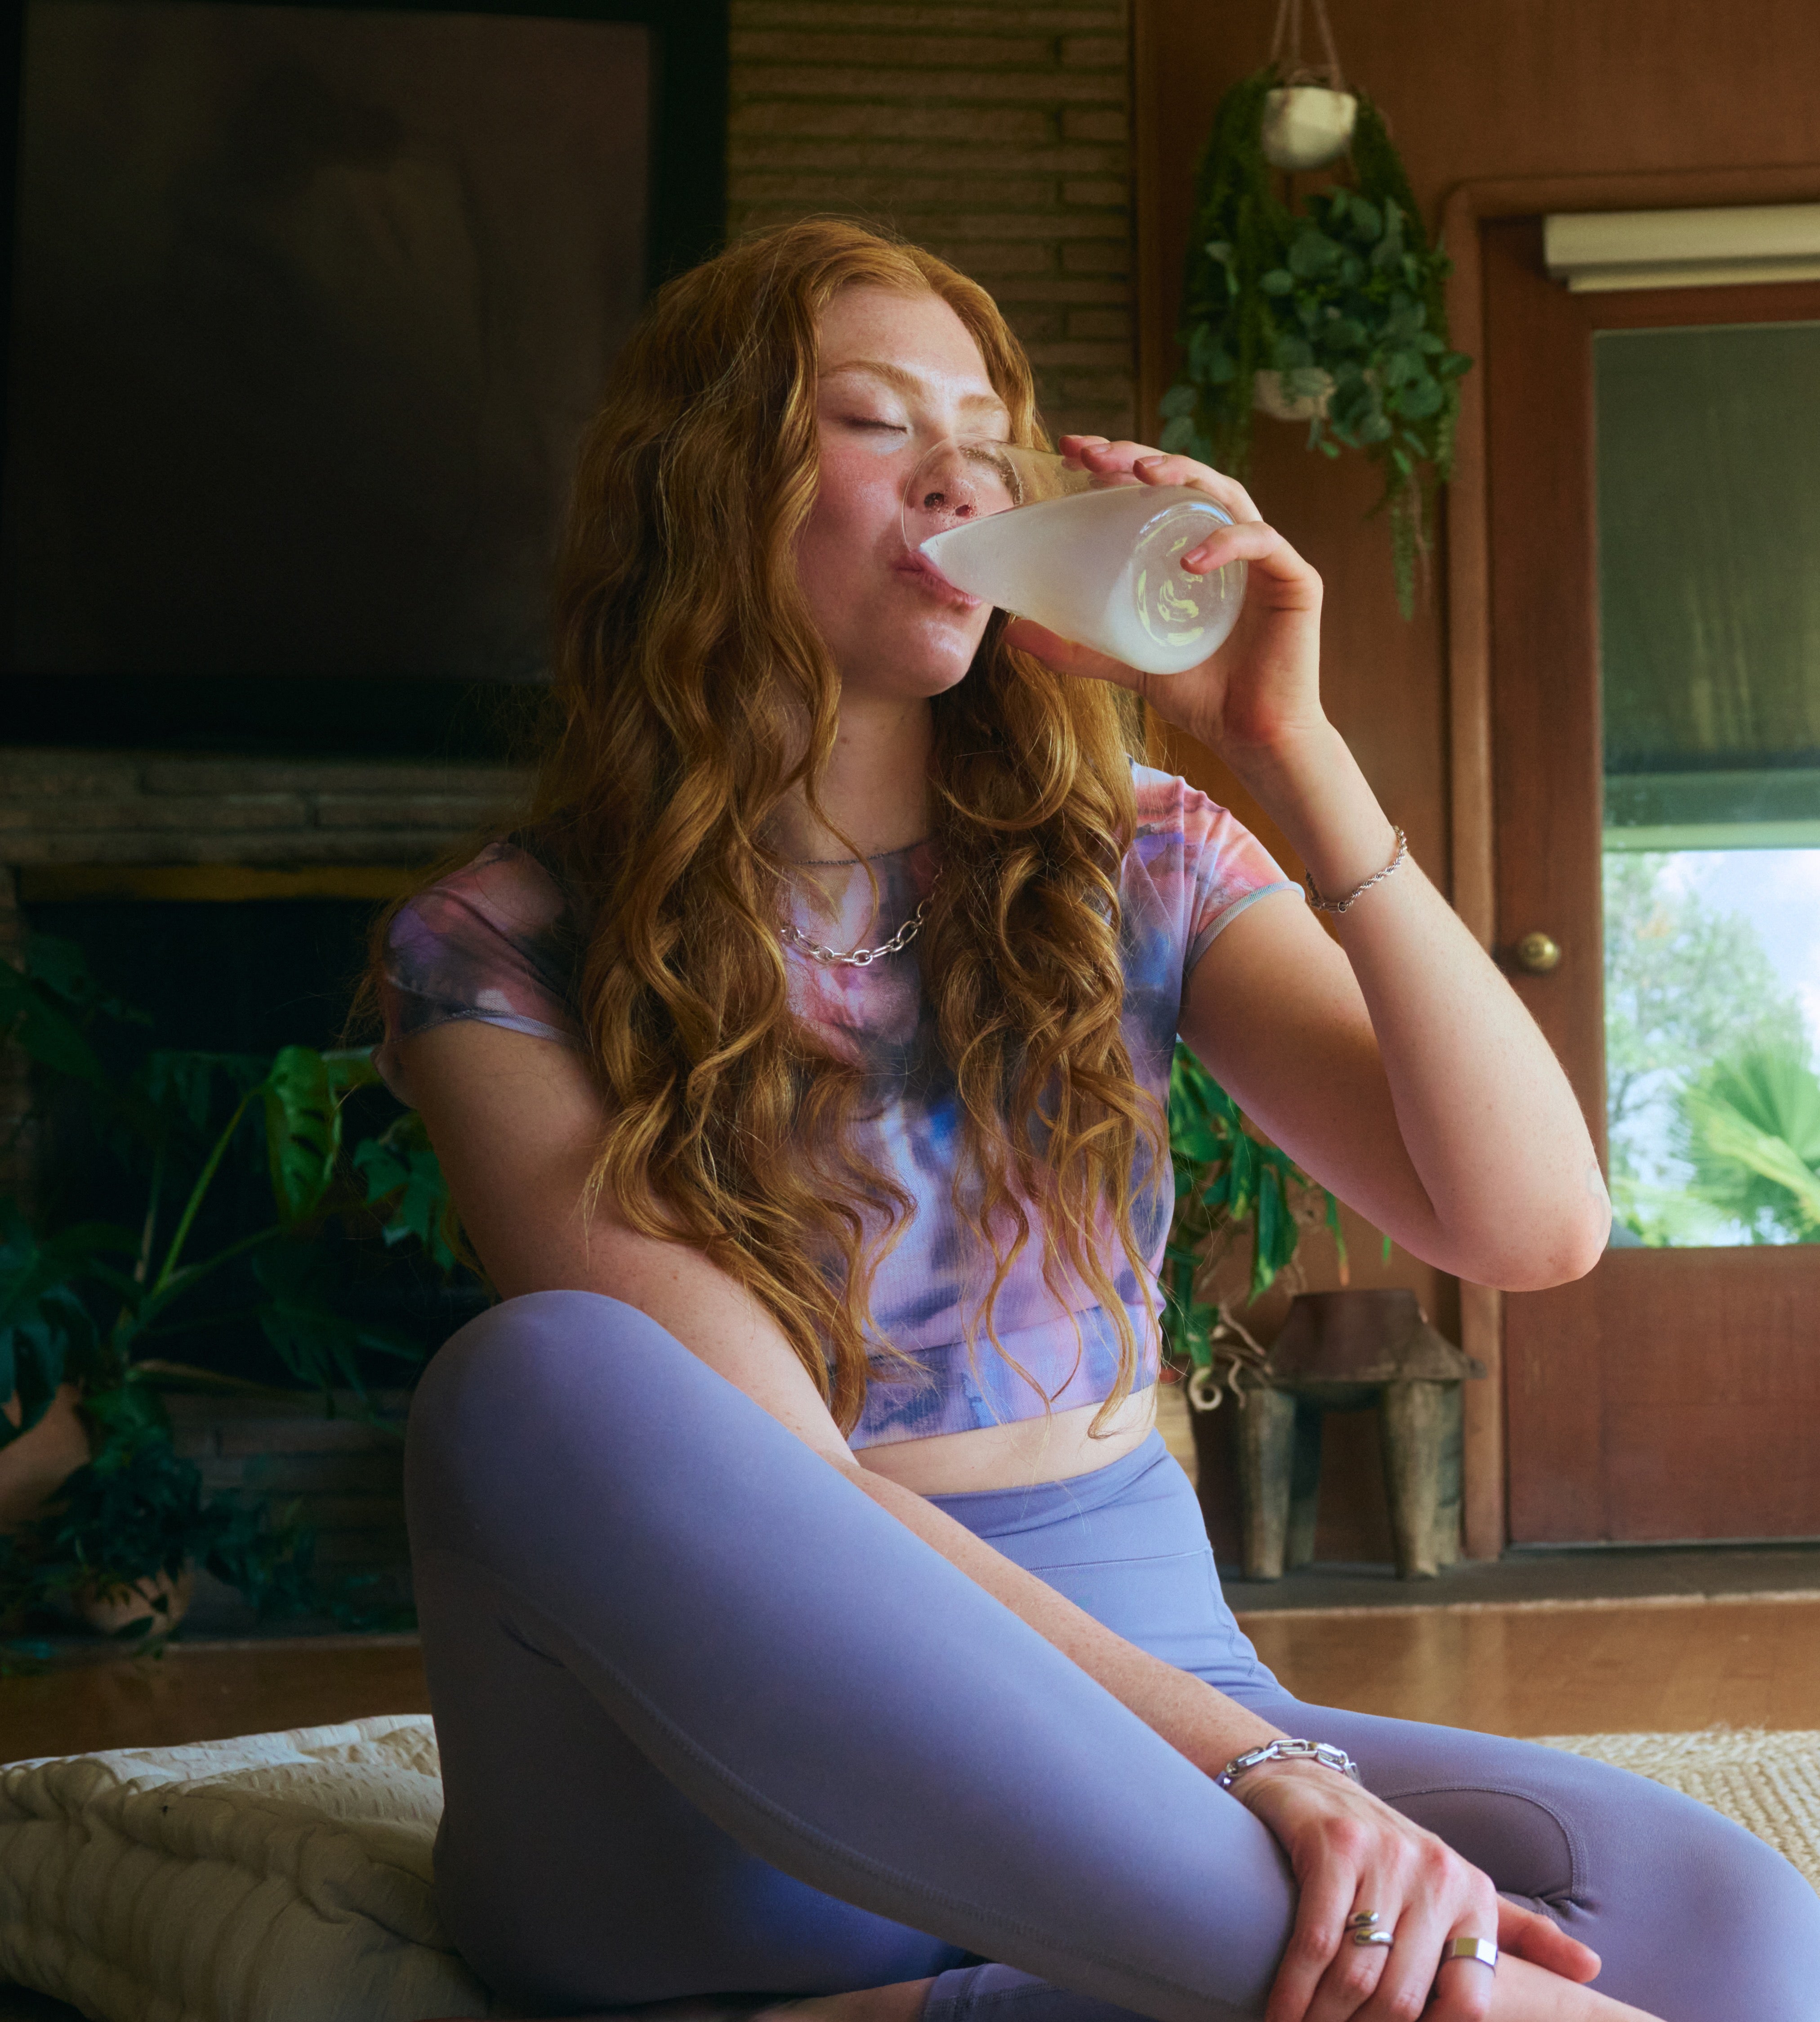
862, 957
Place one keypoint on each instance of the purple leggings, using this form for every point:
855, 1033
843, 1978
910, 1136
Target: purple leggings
712, 1721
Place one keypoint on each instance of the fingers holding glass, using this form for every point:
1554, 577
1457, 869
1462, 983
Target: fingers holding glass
1153, 466
1088, 550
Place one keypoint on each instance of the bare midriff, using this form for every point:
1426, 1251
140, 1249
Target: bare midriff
1051, 1447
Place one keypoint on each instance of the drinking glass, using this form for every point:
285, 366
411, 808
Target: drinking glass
1096, 557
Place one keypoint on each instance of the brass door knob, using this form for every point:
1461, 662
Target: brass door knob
1538, 952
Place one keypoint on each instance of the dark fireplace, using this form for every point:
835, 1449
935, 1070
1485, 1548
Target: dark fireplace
237, 980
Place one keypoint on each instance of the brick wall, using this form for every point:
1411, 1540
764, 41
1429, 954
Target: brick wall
132, 807
996, 135
343, 1475
96, 808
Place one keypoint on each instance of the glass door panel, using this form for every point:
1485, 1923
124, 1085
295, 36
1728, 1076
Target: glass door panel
1708, 448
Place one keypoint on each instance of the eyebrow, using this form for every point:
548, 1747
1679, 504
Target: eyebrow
908, 382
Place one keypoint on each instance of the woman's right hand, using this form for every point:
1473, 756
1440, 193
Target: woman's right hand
1352, 1854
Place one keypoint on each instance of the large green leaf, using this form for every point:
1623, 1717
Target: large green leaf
61, 968
1728, 1134
303, 1130
43, 1031
1750, 1126
404, 1181
47, 1333
320, 1345
45, 1003
323, 1348
1775, 1091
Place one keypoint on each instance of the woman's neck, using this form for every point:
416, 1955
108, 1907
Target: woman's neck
875, 791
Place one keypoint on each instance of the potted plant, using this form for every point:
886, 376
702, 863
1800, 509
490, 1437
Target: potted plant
1241, 1208
1329, 311
88, 1307
117, 1543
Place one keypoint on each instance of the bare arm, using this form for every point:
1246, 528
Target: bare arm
1399, 1066
514, 1121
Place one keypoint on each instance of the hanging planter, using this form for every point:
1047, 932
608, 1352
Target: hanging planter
1269, 395
1308, 120
1306, 126
1329, 311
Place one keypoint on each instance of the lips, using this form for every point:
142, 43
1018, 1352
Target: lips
924, 571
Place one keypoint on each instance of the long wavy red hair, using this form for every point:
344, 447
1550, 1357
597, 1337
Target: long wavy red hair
686, 668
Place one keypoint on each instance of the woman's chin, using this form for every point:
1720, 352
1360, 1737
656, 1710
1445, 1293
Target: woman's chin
933, 677
919, 671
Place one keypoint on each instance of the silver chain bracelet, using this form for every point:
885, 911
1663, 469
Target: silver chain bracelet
1283, 1749
1377, 877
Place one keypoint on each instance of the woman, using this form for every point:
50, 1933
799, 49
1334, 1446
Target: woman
809, 1605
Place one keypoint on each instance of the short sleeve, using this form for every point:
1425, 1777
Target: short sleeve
1204, 865
493, 941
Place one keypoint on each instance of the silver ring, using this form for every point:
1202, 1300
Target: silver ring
1374, 1938
1482, 1950
1361, 1920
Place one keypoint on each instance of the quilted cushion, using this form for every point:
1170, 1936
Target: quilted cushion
276, 1877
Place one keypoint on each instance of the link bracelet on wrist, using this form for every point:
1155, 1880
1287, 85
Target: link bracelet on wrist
1344, 905
1284, 1750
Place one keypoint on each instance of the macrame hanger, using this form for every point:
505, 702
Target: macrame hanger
1289, 28
1287, 42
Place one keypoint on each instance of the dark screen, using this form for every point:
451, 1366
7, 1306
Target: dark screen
311, 305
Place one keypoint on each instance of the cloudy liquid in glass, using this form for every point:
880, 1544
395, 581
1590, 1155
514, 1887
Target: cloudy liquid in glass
1104, 568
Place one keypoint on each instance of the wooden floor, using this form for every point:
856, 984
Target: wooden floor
202, 1693
1581, 1669
1588, 1668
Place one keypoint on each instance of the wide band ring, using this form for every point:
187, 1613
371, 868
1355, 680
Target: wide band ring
1482, 1950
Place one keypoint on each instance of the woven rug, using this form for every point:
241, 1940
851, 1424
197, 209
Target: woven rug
1768, 1782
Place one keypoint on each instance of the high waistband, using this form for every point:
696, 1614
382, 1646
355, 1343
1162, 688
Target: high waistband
995, 1512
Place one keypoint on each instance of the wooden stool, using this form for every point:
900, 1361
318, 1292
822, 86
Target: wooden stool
1346, 1352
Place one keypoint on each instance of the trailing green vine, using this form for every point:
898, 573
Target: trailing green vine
1342, 296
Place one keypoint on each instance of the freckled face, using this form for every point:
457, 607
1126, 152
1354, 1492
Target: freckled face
897, 375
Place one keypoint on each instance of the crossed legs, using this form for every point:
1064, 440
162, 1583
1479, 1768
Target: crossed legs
712, 1720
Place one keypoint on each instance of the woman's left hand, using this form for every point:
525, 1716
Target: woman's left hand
1354, 1858
1263, 686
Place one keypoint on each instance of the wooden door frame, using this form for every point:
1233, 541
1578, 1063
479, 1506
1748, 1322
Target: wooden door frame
1467, 518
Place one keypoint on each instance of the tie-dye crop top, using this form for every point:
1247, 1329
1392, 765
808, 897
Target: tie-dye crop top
494, 942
